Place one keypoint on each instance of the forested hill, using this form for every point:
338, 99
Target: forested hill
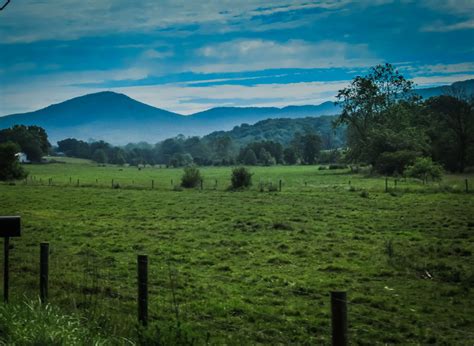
283, 131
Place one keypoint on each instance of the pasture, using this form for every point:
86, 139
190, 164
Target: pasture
250, 266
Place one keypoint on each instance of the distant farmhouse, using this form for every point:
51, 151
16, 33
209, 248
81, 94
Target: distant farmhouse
22, 158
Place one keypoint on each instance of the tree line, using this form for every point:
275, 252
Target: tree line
390, 127
183, 151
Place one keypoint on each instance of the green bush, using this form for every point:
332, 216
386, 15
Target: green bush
424, 168
241, 178
389, 163
10, 168
337, 166
191, 177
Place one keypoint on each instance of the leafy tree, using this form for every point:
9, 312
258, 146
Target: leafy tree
451, 129
241, 178
99, 156
265, 158
32, 140
290, 156
311, 148
390, 163
10, 168
369, 105
424, 168
250, 158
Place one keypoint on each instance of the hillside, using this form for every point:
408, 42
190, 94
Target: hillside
283, 130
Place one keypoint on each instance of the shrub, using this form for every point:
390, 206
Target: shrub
424, 168
241, 178
390, 163
191, 177
337, 166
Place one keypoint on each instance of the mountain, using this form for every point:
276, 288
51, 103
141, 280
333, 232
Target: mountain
119, 119
457, 88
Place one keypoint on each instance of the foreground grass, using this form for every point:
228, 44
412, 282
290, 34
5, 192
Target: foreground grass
251, 267
35, 324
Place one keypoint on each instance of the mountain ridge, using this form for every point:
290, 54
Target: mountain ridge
119, 119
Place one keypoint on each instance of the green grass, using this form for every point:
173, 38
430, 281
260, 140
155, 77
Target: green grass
250, 267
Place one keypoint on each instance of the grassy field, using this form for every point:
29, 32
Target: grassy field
250, 267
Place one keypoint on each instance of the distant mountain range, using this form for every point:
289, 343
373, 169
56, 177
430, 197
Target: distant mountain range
119, 119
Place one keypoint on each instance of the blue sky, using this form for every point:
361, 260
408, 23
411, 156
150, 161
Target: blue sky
187, 56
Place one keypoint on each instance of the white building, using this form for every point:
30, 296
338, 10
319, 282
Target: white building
22, 158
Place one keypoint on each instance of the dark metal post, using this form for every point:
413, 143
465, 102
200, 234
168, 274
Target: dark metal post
6, 273
339, 318
143, 289
44, 271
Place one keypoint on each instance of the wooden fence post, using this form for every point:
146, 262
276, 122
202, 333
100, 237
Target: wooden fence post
279, 187
44, 271
6, 273
339, 318
143, 289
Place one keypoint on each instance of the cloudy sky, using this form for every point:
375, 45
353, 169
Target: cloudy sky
186, 55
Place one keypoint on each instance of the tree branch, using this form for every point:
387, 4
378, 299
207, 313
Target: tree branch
4, 5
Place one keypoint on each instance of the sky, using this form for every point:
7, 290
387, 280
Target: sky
186, 56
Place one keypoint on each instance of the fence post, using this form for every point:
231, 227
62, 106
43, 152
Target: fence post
386, 184
339, 318
279, 187
6, 273
143, 289
152, 184
467, 185
44, 271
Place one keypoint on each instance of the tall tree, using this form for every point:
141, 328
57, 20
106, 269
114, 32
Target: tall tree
377, 110
451, 122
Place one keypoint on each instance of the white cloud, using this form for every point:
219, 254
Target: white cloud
441, 27
441, 80
257, 54
28, 21
157, 54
